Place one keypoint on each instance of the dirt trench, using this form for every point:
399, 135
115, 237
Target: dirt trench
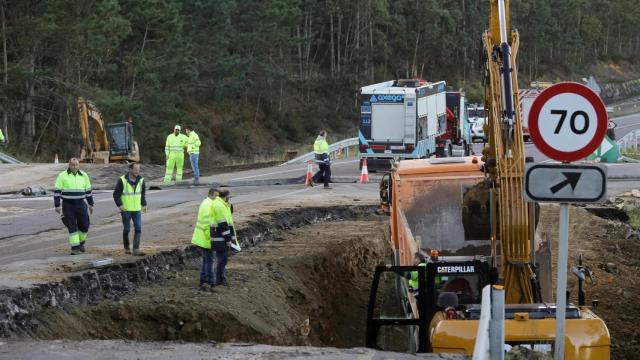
309, 286
611, 250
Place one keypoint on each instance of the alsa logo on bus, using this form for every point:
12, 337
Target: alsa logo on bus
387, 98
456, 269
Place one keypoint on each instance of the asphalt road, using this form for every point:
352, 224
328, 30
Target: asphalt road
30, 229
34, 218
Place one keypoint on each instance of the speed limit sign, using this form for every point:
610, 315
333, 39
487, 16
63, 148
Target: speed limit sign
567, 121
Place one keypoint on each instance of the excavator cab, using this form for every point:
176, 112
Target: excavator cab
448, 286
100, 143
122, 146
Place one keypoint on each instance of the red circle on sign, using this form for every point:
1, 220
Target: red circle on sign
562, 88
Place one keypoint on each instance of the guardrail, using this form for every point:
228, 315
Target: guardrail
630, 140
4, 158
340, 146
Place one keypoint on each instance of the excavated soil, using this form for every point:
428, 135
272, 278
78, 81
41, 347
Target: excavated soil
611, 249
309, 286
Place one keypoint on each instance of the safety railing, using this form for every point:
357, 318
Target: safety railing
630, 141
4, 158
341, 147
630, 144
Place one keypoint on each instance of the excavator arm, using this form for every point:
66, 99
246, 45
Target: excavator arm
504, 158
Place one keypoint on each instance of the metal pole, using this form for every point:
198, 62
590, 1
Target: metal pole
561, 289
496, 324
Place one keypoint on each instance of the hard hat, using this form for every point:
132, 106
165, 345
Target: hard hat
177, 127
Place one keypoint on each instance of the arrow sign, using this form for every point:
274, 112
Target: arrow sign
572, 178
565, 183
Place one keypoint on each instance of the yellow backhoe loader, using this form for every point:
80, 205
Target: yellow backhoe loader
472, 211
104, 144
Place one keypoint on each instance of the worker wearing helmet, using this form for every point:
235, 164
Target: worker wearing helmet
193, 149
321, 151
73, 188
174, 151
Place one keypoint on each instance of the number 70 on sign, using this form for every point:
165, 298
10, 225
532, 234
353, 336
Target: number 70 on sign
567, 121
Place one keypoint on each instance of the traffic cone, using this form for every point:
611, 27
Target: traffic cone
55, 159
309, 180
364, 177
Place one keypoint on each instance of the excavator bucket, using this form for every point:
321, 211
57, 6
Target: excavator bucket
432, 207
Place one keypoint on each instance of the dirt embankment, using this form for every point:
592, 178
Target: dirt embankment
611, 249
308, 287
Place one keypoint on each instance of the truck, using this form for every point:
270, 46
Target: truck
526, 98
400, 119
458, 126
476, 118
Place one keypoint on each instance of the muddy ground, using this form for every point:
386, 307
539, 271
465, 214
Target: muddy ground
611, 249
309, 287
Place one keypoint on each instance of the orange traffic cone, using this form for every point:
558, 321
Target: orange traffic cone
364, 177
55, 159
309, 180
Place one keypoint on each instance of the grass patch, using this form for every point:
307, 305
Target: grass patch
632, 154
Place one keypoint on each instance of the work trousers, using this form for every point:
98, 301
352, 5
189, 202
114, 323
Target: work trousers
194, 166
128, 217
206, 270
324, 174
75, 217
175, 159
221, 266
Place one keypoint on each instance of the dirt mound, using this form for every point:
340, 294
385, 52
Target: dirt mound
308, 287
614, 257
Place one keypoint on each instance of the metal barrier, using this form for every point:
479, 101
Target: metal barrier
4, 158
630, 141
340, 146
490, 334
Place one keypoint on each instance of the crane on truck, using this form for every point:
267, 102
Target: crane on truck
473, 211
105, 143
458, 126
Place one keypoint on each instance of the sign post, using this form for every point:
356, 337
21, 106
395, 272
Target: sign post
567, 122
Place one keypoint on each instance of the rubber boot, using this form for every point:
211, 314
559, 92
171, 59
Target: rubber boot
136, 245
125, 242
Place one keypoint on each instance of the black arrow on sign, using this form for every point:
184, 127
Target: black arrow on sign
571, 178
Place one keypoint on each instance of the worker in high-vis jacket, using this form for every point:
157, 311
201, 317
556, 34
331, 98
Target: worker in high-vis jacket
129, 196
174, 151
72, 189
321, 151
235, 244
193, 149
1, 137
205, 226
222, 237
418, 260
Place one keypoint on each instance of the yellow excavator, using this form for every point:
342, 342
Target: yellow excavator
104, 144
472, 215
